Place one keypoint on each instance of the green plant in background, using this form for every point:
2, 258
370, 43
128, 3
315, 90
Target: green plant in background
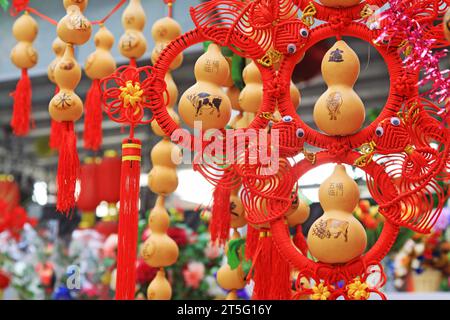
4, 4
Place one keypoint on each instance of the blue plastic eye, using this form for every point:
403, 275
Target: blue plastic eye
304, 32
300, 133
287, 119
395, 121
291, 48
379, 131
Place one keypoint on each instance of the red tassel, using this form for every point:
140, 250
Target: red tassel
219, 226
55, 131
93, 117
300, 241
20, 121
68, 169
251, 241
271, 271
128, 219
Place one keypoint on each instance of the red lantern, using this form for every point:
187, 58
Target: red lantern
109, 177
9, 191
88, 199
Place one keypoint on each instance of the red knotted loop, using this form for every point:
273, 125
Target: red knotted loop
405, 84
338, 23
339, 149
276, 88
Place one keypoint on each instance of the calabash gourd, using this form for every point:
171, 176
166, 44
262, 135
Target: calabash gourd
159, 288
74, 28
67, 105
101, 63
58, 47
132, 43
205, 101
339, 111
163, 178
165, 30
25, 30
337, 236
159, 250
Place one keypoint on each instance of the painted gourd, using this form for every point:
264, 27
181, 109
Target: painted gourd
337, 236
25, 30
339, 3
74, 28
237, 210
446, 25
101, 63
159, 250
132, 43
205, 101
298, 213
159, 288
164, 31
339, 111
58, 48
67, 105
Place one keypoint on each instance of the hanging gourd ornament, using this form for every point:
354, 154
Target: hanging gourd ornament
98, 65
337, 236
24, 56
132, 44
446, 25
159, 288
165, 30
205, 101
66, 106
58, 47
339, 111
82, 4
339, 3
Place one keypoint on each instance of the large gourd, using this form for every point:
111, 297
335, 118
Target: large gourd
337, 236
132, 44
339, 111
205, 101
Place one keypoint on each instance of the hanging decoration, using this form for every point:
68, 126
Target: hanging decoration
403, 133
98, 65
24, 56
88, 199
66, 107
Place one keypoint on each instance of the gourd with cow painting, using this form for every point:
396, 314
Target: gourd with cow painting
205, 101
339, 111
337, 236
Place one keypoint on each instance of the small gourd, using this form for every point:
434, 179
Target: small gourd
298, 213
132, 44
165, 30
165, 156
165, 153
25, 30
339, 3
159, 288
250, 99
159, 250
229, 279
339, 111
74, 28
101, 63
237, 210
337, 236
205, 101
58, 48
446, 25
67, 105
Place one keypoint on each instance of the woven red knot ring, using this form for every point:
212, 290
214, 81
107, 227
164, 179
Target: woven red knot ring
128, 94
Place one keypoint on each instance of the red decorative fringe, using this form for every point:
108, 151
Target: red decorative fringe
128, 219
271, 271
219, 226
68, 169
93, 117
300, 241
20, 121
55, 131
251, 241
